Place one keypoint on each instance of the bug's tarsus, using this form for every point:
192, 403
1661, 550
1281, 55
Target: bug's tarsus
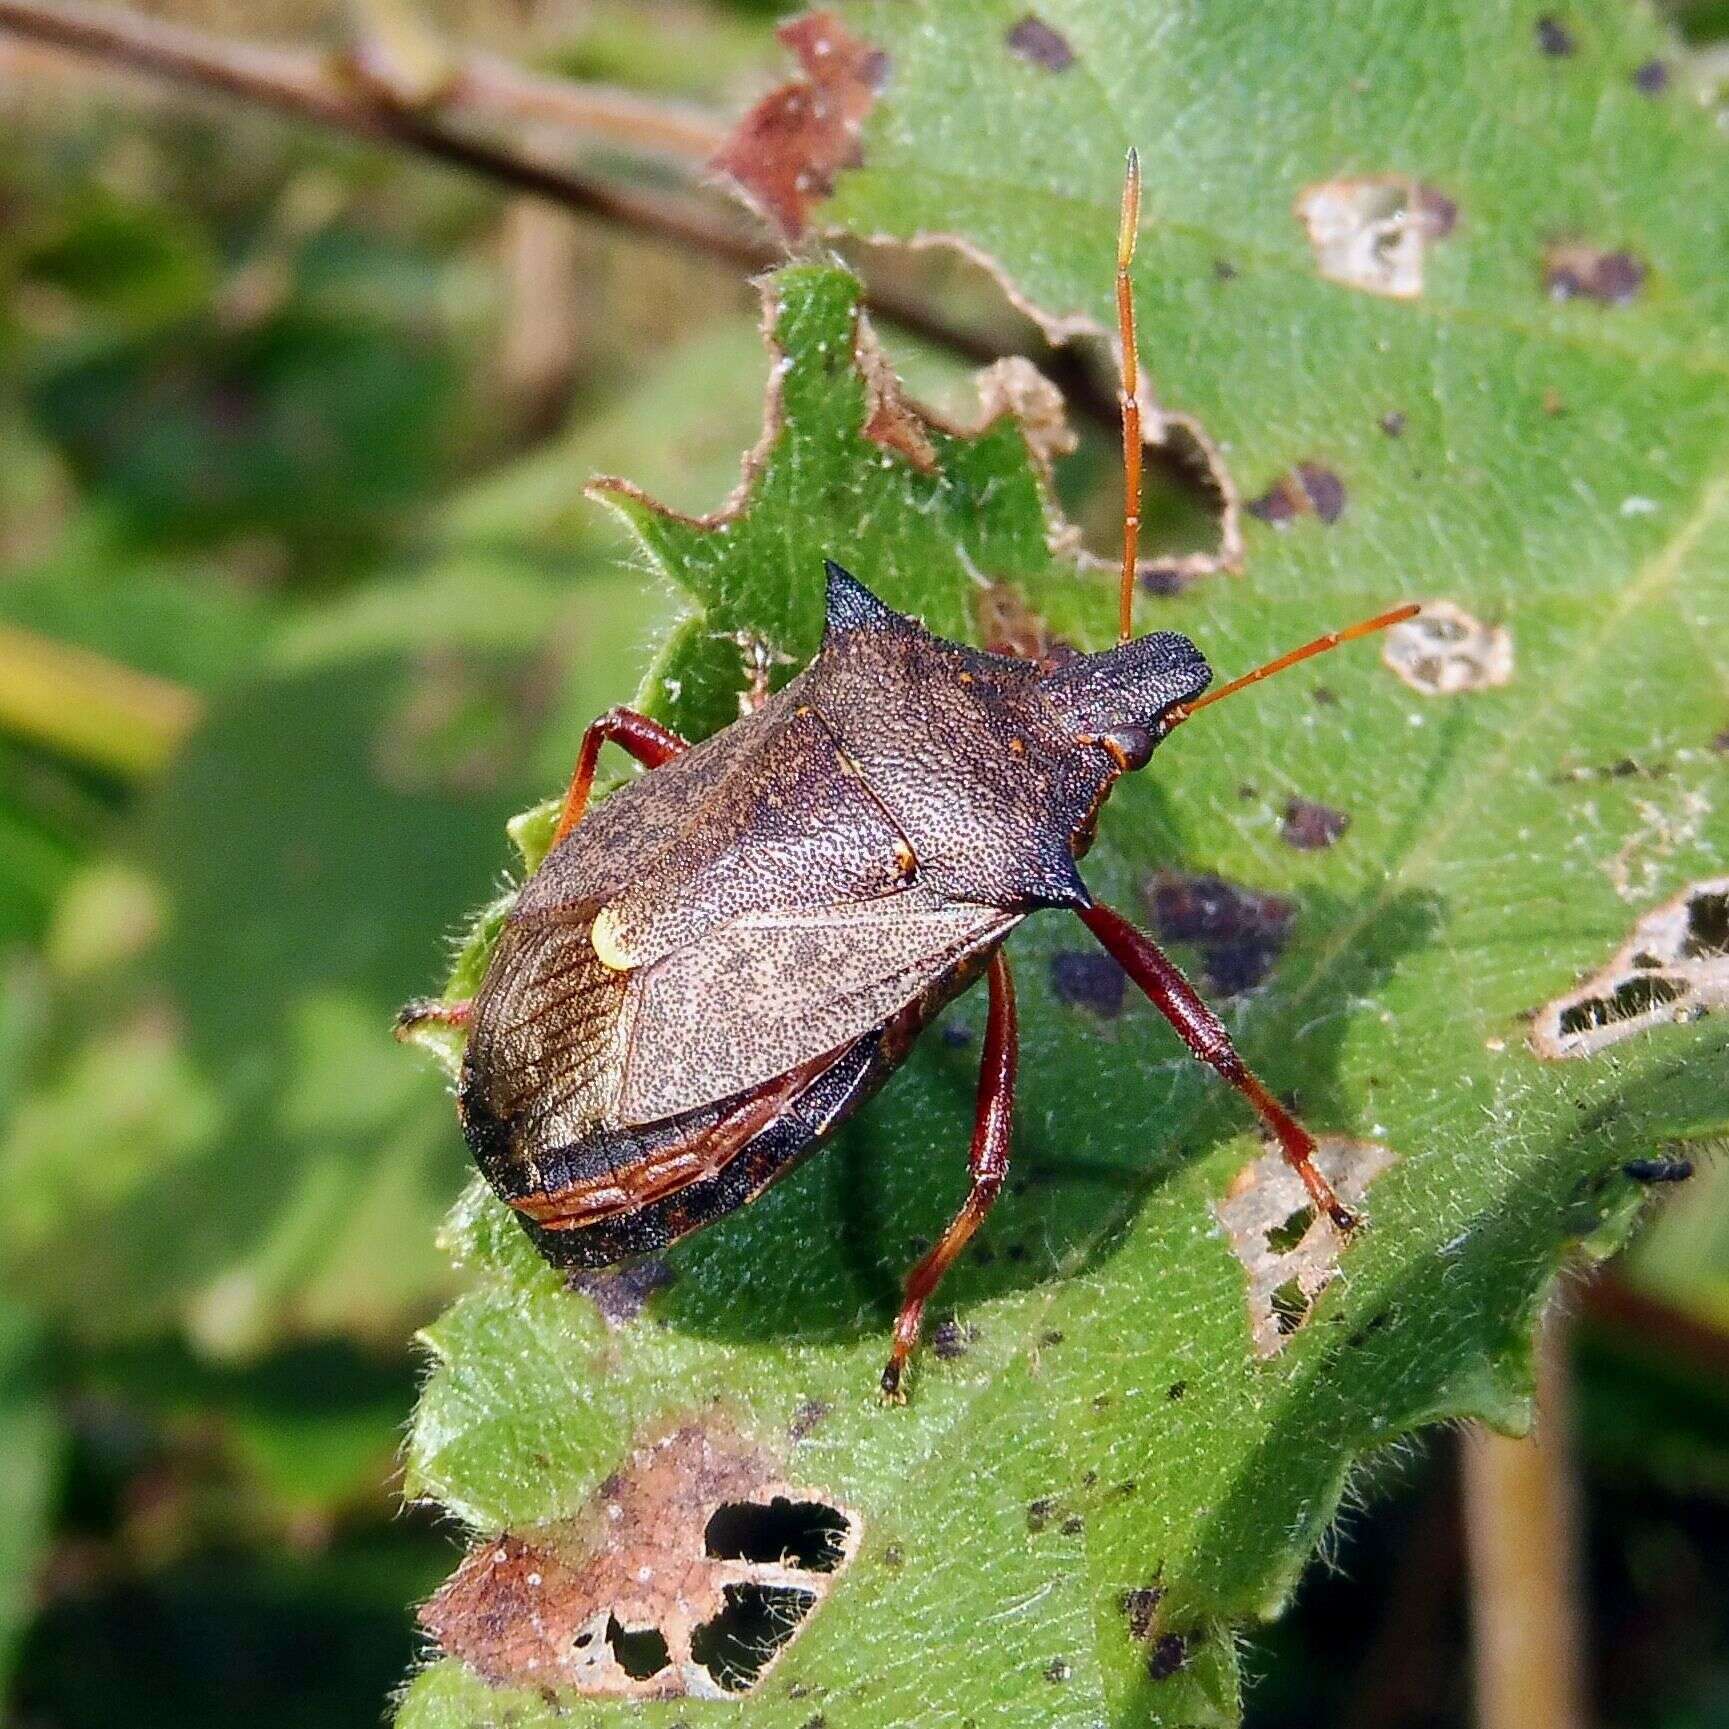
646, 740
431, 1011
1204, 1033
1127, 228
987, 1166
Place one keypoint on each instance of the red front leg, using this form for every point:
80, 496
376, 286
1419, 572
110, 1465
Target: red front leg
987, 1164
1203, 1032
646, 740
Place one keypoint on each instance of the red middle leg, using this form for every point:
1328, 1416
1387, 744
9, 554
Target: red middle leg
987, 1164
646, 740
1203, 1032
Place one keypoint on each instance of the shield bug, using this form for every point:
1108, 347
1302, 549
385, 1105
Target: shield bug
724, 959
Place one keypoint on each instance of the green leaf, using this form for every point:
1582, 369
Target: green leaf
1103, 1480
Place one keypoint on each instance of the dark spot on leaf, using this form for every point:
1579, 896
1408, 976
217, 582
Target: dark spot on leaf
1658, 1170
1101, 1401
1278, 505
955, 1033
1309, 490
1073, 1526
1057, 1670
1176, 1390
1140, 1606
816, 1721
1575, 271
1324, 696
949, 1339
785, 153
1652, 78
1127, 1487
1393, 423
1554, 38
1165, 580
1039, 1512
1309, 826
1240, 930
1325, 490
1721, 741
807, 1419
1033, 39
1050, 1337
1224, 270
1169, 1654
894, 1556
620, 1292
1088, 979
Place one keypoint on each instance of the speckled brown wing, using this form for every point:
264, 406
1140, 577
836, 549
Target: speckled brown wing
768, 991
546, 1039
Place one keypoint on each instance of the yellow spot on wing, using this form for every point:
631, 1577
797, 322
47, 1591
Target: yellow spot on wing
609, 950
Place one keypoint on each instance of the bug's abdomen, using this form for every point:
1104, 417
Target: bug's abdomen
795, 1126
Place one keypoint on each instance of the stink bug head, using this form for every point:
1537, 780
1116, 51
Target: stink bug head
1122, 697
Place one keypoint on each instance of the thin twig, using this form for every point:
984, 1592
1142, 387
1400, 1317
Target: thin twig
313, 86
318, 87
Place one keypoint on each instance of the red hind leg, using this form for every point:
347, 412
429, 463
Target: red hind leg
987, 1164
1203, 1032
646, 740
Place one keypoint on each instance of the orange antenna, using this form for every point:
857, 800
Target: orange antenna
1126, 231
1321, 644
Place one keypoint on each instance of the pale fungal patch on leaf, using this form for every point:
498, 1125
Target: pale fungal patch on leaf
1674, 967
1445, 651
1374, 233
686, 1574
1665, 827
1289, 1252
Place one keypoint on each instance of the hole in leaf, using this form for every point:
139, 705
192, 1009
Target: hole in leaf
802, 1534
1632, 997
1290, 1304
739, 1643
1707, 926
1283, 1238
641, 1651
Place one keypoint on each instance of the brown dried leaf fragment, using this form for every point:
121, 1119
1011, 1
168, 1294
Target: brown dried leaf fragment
1289, 1252
784, 154
1674, 967
1373, 234
1033, 39
1445, 651
1573, 270
636, 1595
891, 421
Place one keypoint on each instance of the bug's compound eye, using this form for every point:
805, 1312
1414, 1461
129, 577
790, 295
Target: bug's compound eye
1130, 746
